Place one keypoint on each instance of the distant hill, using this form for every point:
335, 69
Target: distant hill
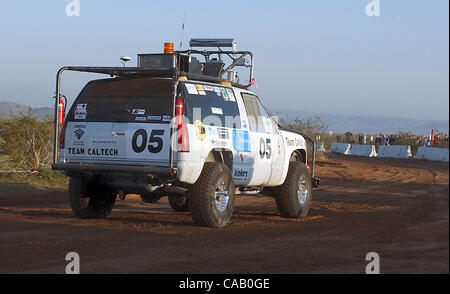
8, 108
339, 123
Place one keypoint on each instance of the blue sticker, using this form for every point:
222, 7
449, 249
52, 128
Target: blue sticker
241, 141
154, 117
244, 124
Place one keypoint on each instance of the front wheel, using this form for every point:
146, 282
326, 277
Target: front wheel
293, 197
212, 199
89, 199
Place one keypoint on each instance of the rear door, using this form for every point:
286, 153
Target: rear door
121, 121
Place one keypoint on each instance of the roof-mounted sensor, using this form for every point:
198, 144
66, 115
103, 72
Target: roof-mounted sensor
213, 43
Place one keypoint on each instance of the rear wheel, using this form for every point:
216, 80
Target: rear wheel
89, 199
212, 199
293, 197
179, 203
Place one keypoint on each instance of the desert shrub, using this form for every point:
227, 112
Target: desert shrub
2, 130
27, 141
312, 126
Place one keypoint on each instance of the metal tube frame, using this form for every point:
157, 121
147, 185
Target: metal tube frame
235, 60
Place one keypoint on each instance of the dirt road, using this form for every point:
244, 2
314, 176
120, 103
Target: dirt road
397, 208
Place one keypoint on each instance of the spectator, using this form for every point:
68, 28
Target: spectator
348, 135
391, 140
436, 139
360, 139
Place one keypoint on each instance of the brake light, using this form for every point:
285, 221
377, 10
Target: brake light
62, 136
183, 135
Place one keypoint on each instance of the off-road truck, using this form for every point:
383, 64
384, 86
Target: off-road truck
174, 126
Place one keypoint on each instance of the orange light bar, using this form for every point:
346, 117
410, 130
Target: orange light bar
168, 48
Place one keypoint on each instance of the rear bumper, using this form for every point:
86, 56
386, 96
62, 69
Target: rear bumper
78, 167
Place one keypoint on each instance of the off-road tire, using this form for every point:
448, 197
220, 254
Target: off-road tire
286, 197
203, 195
179, 203
89, 200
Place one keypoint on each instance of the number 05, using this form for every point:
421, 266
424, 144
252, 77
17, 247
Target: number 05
264, 148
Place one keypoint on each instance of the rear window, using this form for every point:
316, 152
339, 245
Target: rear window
124, 100
212, 105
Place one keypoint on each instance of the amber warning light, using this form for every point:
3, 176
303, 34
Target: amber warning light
168, 48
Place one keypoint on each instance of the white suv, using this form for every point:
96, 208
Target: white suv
200, 141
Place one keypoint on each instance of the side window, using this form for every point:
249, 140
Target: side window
258, 119
212, 105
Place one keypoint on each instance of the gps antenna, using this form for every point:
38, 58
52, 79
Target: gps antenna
182, 30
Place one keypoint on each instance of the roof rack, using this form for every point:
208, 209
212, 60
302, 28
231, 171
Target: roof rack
204, 64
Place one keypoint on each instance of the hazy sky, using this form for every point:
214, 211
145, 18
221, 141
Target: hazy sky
316, 55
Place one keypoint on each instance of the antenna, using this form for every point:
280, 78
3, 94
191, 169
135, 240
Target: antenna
182, 30
124, 60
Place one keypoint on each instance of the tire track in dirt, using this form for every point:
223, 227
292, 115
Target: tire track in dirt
396, 208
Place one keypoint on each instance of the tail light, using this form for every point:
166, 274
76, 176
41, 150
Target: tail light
62, 136
183, 135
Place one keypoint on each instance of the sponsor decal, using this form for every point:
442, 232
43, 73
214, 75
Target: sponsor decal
208, 88
241, 173
216, 110
191, 89
104, 142
241, 141
166, 118
200, 89
80, 111
79, 133
138, 111
244, 157
217, 90
294, 142
223, 133
79, 116
94, 151
224, 94
230, 95
141, 118
219, 143
81, 108
200, 130
154, 117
